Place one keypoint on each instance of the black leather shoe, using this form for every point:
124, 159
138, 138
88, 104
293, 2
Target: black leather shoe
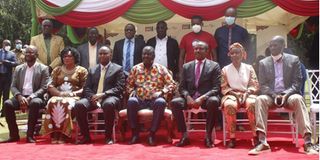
11, 139
208, 143
134, 140
31, 140
109, 141
151, 141
183, 142
86, 140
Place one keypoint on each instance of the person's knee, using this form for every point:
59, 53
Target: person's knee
160, 102
213, 101
107, 105
8, 105
133, 101
176, 103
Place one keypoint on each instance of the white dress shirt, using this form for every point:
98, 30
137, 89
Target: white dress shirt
28, 78
161, 51
92, 54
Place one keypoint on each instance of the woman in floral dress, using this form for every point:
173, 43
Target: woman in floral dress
65, 88
239, 85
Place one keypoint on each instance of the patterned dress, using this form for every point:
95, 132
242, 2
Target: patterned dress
238, 81
58, 117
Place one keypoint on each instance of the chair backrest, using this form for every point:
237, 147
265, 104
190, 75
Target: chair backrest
313, 85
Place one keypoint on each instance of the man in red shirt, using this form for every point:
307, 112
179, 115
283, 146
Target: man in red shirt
186, 49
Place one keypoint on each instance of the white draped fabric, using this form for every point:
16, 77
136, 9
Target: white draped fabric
200, 3
91, 5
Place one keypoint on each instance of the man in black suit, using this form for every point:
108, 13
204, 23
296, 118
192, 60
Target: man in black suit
166, 48
30, 82
104, 87
127, 52
88, 51
199, 87
7, 62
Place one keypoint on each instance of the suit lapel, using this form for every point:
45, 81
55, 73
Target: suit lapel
34, 76
24, 69
192, 70
205, 67
285, 70
42, 43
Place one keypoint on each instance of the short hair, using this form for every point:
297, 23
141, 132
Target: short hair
201, 43
93, 28
109, 50
162, 22
197, 17
148, 49
75, 53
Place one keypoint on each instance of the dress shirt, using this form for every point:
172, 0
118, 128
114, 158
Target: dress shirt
27, 85
125, 52
161, 51
278, 73
92, 54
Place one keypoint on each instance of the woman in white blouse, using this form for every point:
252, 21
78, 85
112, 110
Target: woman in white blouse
239, 84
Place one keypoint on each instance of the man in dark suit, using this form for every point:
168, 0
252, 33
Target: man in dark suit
88, 51
166, 48
7, 62
199, 87
127, 52
104, 87
30, 82
280, 82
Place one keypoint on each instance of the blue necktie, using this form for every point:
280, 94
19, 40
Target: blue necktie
127, 64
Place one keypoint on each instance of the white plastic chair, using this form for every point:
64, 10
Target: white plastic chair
313, 85
274, 122
191, 122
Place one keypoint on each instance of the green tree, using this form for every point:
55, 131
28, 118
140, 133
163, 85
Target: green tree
15, 20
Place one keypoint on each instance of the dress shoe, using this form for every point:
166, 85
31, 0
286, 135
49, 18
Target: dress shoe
11, 139
232, 143
134, 140
183, 142
109, 141
31, 140
86, 140
260, 148
310, 149
208, 143
151, 141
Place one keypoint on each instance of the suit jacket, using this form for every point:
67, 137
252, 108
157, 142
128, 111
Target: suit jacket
40, 79
113, 84
291, 75
56, 46
137, 54
84, 54
10, 62
209, 82
172, 53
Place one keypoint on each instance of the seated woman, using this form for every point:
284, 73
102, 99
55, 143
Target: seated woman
239, 85
65, 89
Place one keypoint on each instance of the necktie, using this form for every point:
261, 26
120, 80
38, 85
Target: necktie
127, 64
198, 69
101, 80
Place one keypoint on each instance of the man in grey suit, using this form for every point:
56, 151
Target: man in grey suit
199, 87
280, 81
29, 83
88, 51
127, 52
104, 87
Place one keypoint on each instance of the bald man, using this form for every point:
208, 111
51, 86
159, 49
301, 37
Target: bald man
280, 82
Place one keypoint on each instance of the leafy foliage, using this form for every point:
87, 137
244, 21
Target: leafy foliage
15, 18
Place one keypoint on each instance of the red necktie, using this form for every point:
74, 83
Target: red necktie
198, 69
